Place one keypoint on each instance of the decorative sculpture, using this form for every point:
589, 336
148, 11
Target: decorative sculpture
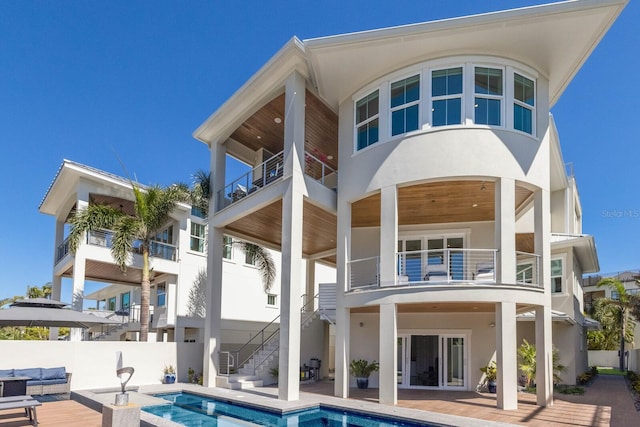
122, 399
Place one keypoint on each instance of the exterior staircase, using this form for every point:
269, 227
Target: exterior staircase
256, 371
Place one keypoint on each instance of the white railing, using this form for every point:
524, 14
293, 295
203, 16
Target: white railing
320, 171
104, 238
450, 266
364, 273
63, 249
260, 176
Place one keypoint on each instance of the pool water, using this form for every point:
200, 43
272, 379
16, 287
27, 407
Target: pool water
192, 410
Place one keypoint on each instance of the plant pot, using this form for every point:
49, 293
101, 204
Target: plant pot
492, 386
169, 378
362, 382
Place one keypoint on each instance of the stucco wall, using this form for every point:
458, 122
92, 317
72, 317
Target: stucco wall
93, 364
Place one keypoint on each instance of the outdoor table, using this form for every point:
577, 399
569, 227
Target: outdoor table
13, 386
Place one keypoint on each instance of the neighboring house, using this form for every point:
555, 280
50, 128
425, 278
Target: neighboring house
178, 255
631, 281
423, 161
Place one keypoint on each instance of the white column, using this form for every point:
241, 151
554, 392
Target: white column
544, 336
343, 315
292, 207
388, 388
171, 303
388, 235
506, 356
310, 303
505, 230
212, 326
79, 267
56, 282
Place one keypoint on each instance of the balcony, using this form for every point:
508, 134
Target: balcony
104, 238
442, 266
62, 250
270, 171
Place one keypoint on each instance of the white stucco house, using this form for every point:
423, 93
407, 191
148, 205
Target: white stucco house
423, 162
178, 256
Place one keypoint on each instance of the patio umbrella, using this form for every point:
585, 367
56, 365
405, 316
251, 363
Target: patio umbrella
49, 313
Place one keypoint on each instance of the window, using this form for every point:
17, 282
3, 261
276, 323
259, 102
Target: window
111, 305
556, 276
196, 211
272, 300
249, 258
228, 245
367, 123
197, 237
488, 100
446, 93
524, 273
165, 236
125, 301
405, 97
523, 103
161, 294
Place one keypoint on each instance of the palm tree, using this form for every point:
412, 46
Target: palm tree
200, 196
152, 209
619, 314
527, 354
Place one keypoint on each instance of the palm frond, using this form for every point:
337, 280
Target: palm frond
263, 260
94, 217
126, 231
201, 190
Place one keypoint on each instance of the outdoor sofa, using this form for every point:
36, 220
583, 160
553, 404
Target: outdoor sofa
43, 380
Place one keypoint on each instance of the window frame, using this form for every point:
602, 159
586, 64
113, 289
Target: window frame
461, 95
195, 237
563, 286
122, 305
523, 104
161, 291
275, 300
406, 105
227, 244
366, 121
112, 303
488, 96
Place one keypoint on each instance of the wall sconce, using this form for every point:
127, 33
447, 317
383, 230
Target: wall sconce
492, 325
361, 324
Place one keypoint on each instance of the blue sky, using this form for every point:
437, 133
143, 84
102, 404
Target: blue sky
94, 81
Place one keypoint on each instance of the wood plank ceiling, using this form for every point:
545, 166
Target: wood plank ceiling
436, 203
265, 129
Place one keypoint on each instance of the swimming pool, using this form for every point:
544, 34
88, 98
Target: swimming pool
192, 410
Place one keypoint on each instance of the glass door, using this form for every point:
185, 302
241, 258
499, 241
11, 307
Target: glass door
454, 356
424, 361
402, 348
410, 265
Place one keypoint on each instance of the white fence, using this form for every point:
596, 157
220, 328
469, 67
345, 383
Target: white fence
93, 364
611, 359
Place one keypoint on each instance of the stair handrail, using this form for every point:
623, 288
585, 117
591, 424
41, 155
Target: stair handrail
268, 339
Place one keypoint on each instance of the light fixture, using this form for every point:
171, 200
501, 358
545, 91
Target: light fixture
329, 157
259, 137
492, 325
475, 205
277, 120
482, 187
361, 324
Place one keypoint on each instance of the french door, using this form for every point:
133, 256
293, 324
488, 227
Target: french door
433, 361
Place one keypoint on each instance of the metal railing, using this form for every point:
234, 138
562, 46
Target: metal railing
231, 361
104, 238
320, 171
449, 266
62, 250
269, 171
260, 176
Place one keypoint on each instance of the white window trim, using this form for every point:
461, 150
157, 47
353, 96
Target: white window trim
563, 277
418, 102
514, 101
462, 95
356, 125
203, 238
502, 98
272, 305
425, 106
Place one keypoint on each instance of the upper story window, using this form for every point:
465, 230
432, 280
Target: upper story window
161, 295
125, 301
197, 237
165, 236
488, 96
405, 99
111, 304
556, 276
367, 120
196, 211
446, 96
483, 91
523, 103
228, 245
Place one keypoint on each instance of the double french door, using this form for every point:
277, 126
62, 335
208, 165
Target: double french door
436, 361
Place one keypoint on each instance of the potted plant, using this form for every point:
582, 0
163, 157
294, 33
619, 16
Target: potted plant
491, 374
169, 374
361, 369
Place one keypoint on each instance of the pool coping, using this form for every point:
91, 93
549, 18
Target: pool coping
266, 398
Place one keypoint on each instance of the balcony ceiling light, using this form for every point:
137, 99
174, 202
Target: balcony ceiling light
277, 120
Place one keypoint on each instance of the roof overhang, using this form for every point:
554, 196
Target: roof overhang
260, 88
584, 247
558, 179
554, 39
556, 316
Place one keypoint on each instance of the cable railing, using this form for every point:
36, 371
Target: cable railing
231, 361
62, 250
449, 266
320, 171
